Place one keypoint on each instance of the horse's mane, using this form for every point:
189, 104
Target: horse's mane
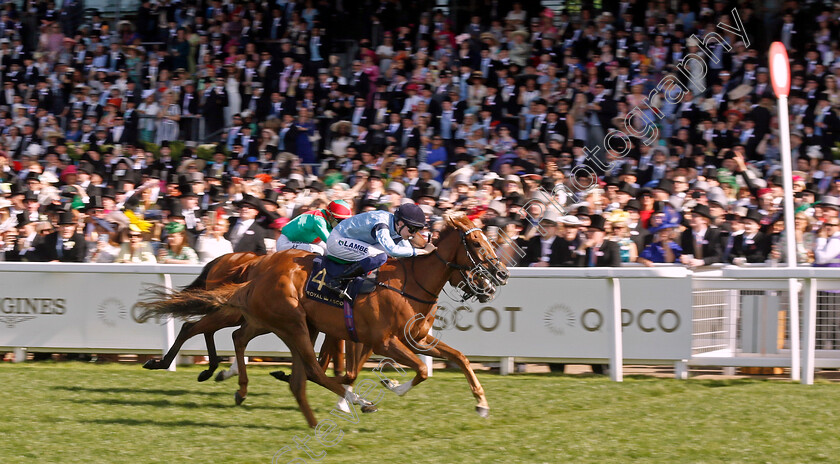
451, 220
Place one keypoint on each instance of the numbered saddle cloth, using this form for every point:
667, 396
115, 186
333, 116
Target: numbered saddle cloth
321, 281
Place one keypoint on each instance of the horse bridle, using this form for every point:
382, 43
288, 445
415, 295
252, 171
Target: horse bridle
461, 268
449, 264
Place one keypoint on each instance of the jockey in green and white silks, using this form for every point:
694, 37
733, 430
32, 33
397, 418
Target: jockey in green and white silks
310, 231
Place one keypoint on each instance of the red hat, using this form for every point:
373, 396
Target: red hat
67, 171
764, 191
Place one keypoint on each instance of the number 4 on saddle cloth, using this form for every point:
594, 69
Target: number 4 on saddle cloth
328, 278
328, 284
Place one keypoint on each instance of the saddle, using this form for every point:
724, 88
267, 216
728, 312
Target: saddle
322, 283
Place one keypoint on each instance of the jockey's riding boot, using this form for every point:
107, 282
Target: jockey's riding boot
352, 271
342, 281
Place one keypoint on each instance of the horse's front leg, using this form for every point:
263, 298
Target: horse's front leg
436, 348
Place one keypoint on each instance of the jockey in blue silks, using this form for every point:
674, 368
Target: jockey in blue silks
367, 240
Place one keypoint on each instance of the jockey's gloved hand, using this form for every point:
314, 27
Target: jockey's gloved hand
429, 248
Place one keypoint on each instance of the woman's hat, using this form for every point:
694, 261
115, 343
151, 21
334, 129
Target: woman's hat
175, 227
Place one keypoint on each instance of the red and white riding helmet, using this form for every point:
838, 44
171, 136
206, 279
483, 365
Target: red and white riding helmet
339, 209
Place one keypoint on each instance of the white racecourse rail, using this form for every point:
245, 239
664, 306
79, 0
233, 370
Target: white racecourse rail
543, 314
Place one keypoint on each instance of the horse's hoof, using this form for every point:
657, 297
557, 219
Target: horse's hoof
390, 384
239, 398
152, 364
482, 411
204, 375
220, 376
369, 408
280, 375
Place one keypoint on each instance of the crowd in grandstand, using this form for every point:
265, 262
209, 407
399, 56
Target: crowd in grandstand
202, 127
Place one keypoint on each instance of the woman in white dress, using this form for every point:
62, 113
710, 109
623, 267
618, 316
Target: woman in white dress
234, 99
168, 116
149, 108
213, 243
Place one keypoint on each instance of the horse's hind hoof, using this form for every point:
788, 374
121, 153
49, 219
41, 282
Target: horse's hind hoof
389, 384
152, 364
239, 398
482, 411
369, 408
220, 376
280, 375
204, 375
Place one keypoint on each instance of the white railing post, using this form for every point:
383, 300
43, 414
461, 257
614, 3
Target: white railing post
506, 365
20, 355
809, 303
793, 307
169, 327
616, 352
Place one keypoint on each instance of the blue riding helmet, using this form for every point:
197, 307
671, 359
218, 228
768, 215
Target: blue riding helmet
411, 215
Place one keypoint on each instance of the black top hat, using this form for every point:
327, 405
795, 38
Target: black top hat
251, 201
627, 188
582, 211
317, 186
633, 205
292, 186
612, 180
94, 203
175, 209
666, 185
109, 192
753, 215
627, 169
597, 222
30, 196
66, 218
187, 191
425, 189
703, 210
270, 196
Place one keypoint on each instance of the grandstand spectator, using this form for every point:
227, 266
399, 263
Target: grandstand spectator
176, 250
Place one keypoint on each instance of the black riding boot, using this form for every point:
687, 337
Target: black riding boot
342, 281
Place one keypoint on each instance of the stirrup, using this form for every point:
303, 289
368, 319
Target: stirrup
343, 292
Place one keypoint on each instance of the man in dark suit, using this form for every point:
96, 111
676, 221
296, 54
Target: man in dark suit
119, 133
215, 101
597, 251
410, 135
752, 244
66, 245
247, 235
546, 249
189, 107
638, 234
701, 243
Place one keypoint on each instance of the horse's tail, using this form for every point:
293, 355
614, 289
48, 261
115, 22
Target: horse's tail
185, 304
200, 282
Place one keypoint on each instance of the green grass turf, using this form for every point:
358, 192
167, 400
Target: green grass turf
106, 413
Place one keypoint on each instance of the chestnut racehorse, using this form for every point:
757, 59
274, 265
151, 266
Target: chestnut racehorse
274, 299
231, 268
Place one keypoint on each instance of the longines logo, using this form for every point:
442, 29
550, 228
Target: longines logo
110, 310
557, 318
16, 310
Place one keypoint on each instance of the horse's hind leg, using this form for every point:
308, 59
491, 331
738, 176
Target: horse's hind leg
211, 356
188, 330
241, 337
